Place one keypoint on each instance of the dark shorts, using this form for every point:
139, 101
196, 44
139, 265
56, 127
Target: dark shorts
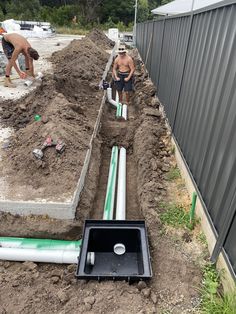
8, 48
122, 85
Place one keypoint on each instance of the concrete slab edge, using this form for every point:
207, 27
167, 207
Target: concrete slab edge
53, 210
61, 210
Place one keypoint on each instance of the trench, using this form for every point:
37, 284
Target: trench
121, 133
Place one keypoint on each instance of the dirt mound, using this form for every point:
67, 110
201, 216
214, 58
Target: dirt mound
79, 68
98, 37
68, 103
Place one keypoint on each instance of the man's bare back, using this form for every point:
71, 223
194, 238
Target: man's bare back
18, 41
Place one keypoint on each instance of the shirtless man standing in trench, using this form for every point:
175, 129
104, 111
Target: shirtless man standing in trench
13, 44
123, 79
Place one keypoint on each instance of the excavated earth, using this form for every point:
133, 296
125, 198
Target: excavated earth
176, 255
68, 102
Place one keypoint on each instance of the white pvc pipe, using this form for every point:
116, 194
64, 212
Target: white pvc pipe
117, 97
121, 189
30, 82
109, 97
124, 111
39, 256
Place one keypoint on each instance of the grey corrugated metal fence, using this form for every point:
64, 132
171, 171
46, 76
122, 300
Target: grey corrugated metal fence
191, 59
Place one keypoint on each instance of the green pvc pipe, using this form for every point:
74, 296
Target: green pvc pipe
192, 210
111, 185
119, 110
39, 244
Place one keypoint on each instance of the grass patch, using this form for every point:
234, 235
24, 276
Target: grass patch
175, 216
173, 174
202, 238
71, 31
212, 302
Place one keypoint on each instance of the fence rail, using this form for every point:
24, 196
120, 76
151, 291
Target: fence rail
191, 58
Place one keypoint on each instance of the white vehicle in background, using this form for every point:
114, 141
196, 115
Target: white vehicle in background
28, 28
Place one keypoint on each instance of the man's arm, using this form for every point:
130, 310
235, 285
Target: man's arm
115, 67
12, 63
31, 67
132, 69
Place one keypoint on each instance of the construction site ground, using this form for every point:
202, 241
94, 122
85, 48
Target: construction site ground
69, 100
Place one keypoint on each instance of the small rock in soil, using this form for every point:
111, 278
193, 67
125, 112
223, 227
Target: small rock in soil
7, 264
44, 119
187, 237
62, 296
29, 266
142, 285
57, 273
55, 279
154, 297
71, 268
15, 284
87, 307
89, 300
151, 112
22, 107
146, 292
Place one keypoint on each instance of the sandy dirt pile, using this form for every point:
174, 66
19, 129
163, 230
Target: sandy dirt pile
68, 103
97, 36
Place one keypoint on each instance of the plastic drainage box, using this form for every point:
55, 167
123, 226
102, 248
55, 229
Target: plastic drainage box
114, 249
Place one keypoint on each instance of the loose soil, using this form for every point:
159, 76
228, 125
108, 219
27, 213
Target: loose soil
176, 255
68, 102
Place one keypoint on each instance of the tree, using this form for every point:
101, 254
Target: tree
122, 10
1, 15
142, 11
23, 9
90, 9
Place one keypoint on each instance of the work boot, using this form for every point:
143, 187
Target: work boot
8, 83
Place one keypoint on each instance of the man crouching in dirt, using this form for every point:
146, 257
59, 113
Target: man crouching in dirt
124, 64
13, 44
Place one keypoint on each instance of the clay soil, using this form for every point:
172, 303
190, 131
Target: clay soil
176, 255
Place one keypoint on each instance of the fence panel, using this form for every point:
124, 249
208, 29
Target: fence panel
158, 27
193, 64
175, 42
207, 109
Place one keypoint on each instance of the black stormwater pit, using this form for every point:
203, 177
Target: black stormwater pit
114, 249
